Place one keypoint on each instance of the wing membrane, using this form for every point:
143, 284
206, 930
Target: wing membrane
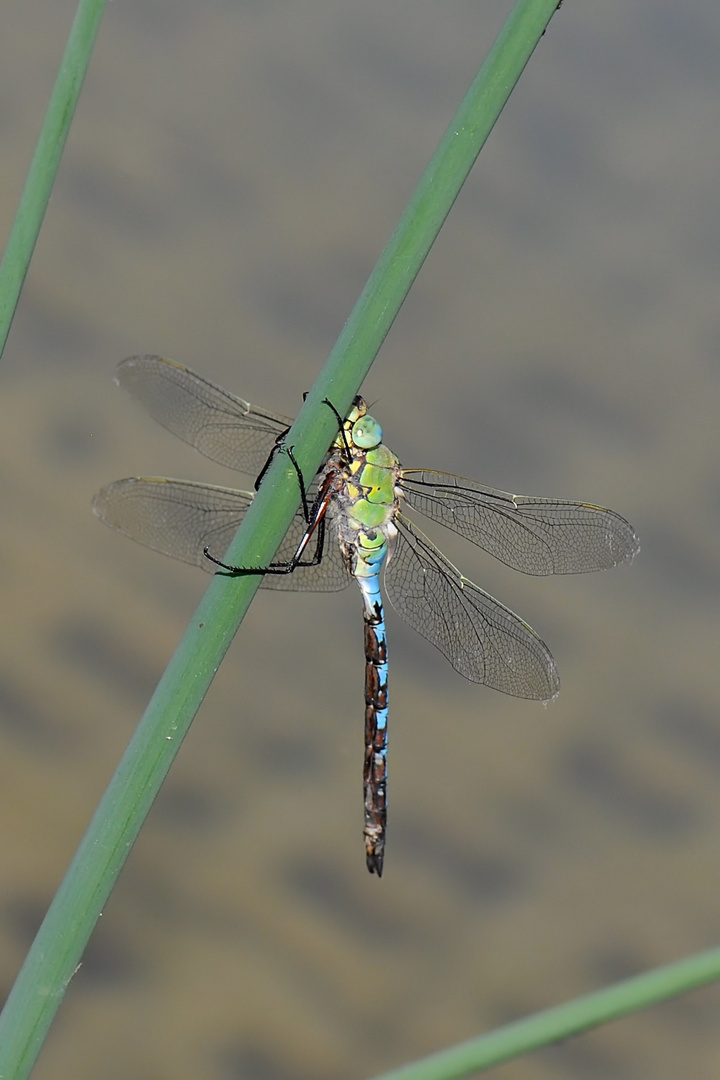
221, 426
534, 535
482, 639
180, 518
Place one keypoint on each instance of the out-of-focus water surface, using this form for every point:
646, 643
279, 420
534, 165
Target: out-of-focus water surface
232, 174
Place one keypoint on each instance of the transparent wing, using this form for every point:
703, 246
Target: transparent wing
537, 536
181, 519
221, 426
482, 639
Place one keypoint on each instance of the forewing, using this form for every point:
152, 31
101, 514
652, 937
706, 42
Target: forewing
221, 426
482, 639
535, 535
181, 519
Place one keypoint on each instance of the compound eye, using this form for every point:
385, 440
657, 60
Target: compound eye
366, 433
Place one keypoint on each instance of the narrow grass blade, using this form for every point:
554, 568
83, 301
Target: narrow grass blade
562, 1021
45, 162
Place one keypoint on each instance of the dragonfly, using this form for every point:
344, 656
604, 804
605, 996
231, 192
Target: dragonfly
353, 524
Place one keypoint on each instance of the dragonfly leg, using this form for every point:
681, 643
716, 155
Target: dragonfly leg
318, 531
290, 451
279, 443
315, 528
341, 428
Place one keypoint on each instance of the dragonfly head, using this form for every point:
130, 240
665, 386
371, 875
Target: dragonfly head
366, 433
362, 430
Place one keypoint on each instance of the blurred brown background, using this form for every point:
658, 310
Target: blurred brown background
233, 172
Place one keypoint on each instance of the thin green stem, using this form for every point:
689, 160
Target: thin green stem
562, 1021
45, 162
63, 935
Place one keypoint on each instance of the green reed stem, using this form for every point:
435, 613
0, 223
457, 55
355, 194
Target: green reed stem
551, 1025
45, 162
